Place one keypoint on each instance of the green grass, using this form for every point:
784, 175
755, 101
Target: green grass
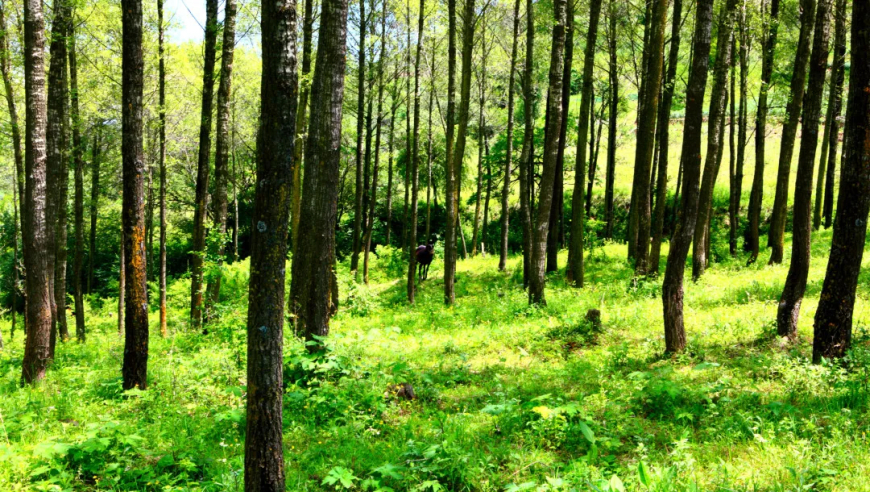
508, 397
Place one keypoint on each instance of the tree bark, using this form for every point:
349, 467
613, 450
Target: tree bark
575, 270
796, 281
162, 163
715, 132
301, 121
122, 281
313, 268
370, 225
222, 140
93, 212
825, 188
527, 155
776, 237
506, 190
389, 225
202, 167
415, 157
833, 324
737, 182
648, 113
79, 178
264, 457
451, 185
14, 127
481, 137
551, 146
751, 242
672, 286
662, 129
360, 132
610, 175
556, 210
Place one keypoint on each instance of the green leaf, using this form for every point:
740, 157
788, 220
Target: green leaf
643, 474
616, 484
587, 432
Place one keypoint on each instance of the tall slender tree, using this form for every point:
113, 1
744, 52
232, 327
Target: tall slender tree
796, 282
301, 118
557, 209
506, 186
39, 275
481, 135
370, 226
832, 123
264, 457
78, 148
200, 212
359, 189
537, 276
610, 174
576, 266
451, 199
771, 28
672, 286
832, 335
14, 127
161, 87
527, 154
415, 158
776, 237
135, 370
742, 119
222, 139
93, 212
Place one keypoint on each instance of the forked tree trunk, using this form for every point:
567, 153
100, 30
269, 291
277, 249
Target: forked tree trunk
264, 457
38, 312
672, 286
135, 370
776, 237
796, 282
576, 267
222, 141
537, 276
415, 158
751, 242
509, 152
202, 167
79, 177
833, 324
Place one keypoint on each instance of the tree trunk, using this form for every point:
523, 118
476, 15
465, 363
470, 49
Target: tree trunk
122, 280
301, 121
313, 275
370, 225
135, 370
389, 225
79, 163
610, 175
556, 210
202, 168
833, 324
264, 458
662, 129
415, 158
429, 155
360, 131
56, 169
576, 267
715, 133
648, 113
789, 132
751, 241
737, 183
506, 190
15, 129
451, 186
832, 126
672, 286
796, 281
93, 212
222, 141
551, 147
527, 156
38, 315
162, 163
732, 152
481, 138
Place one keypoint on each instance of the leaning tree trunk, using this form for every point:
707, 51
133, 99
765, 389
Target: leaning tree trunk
264, 458
537, 276
57, 172
527, 155
715, 132
662, 127
506, 188
776, 237
751, 241
359, 188
162, 163
575, 270
672, 286
610, 174
833, 325
222, 140
202, 167
79, 210
640, 208
451, 185
796, 281
37, 281
135, 370
415, 158
832, 128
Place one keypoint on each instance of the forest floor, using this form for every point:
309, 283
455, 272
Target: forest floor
508, 397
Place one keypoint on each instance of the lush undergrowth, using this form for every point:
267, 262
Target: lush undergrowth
508, 397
